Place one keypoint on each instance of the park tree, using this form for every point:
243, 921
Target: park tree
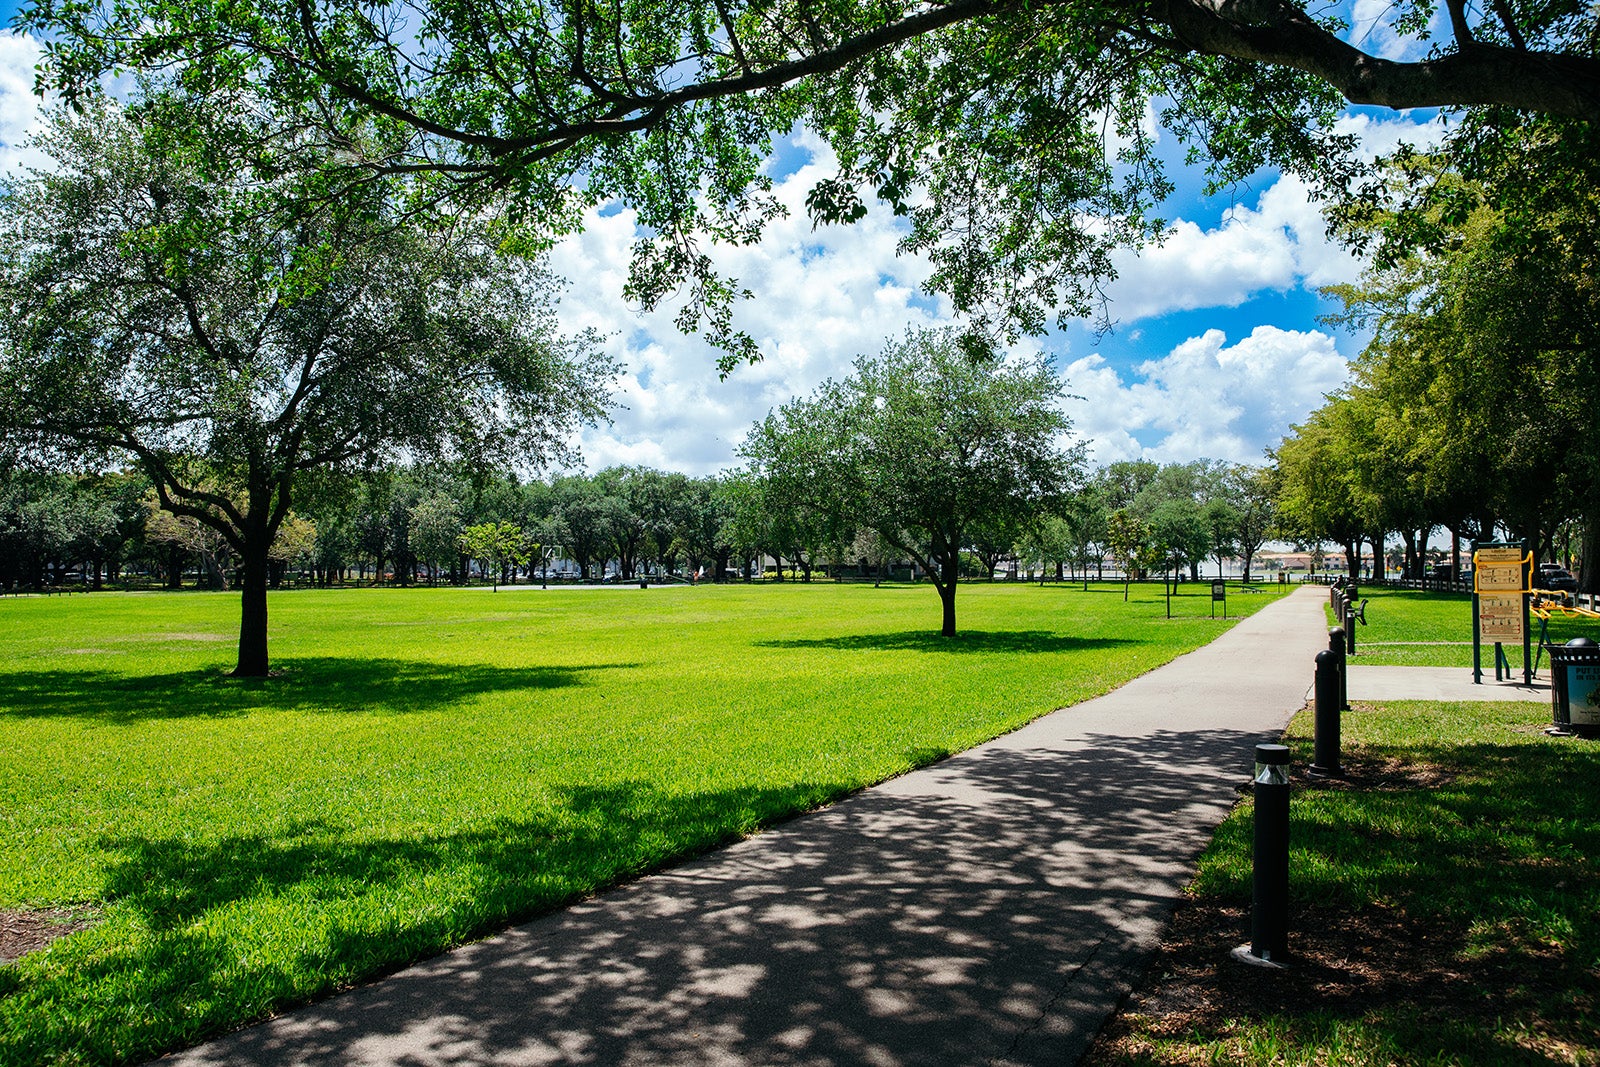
1318, 498
1012, 136
584, 520
1086, 516
1481, 364
1120, 483
503, 546
1131, 544
710, 514
668, 516
168, 304
1173, 503
435, 532
294, 546
1046, 545
1252, 492
922, 444
993, 543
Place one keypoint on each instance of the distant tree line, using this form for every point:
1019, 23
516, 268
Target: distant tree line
403, 525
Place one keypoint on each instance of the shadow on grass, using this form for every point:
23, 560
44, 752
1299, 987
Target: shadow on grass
192, 968
1479, 892
332, 684
963, 641
1480, 841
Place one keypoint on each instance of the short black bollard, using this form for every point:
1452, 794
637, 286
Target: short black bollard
1325, 759
1269, 906
1336, 646
1349, 620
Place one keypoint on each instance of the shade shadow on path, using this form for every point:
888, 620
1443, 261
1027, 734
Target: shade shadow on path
990, 909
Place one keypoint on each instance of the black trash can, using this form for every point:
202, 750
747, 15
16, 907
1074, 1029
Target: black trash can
1575, 687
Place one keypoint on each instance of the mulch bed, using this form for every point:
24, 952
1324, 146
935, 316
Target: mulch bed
28, 930
1346, 964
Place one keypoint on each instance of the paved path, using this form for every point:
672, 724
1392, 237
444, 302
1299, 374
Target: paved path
1443, 683
991, 909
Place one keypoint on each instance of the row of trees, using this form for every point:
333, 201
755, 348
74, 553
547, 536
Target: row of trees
1475, 406
430, 523
405, 525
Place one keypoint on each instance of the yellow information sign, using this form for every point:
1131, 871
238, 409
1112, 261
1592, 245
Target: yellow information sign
1501, 570
1500, 617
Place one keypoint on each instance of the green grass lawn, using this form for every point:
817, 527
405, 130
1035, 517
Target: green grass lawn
1414, 629
1446, 907
430, 765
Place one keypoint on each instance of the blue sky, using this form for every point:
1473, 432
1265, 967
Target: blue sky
1216, 349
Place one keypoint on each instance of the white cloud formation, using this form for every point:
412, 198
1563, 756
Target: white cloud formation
1372, 30
1378, 136
19, 108
1205, 398
1277, 245
822, 297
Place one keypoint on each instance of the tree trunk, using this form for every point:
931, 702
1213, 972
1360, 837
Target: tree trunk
253, 614
947, 599
1589, 549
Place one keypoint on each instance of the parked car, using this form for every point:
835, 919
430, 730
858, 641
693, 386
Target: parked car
1554, 577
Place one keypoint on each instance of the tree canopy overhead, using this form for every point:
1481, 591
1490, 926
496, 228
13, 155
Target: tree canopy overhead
1014, 136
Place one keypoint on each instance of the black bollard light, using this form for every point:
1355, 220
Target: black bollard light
1336, 646
1325, 760
1269, 906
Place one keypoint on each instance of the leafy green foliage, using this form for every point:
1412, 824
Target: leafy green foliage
925, 448
1013, 138
171, 301
504, 546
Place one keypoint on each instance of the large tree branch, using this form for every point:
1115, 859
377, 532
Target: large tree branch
1276, 32
646, 109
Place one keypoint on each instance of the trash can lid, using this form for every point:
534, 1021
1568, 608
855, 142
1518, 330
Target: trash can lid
1582, 642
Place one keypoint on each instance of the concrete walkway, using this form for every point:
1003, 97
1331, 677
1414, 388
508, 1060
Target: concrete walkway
1443, 683
990, 909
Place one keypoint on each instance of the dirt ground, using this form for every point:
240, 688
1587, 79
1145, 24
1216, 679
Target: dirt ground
1404, 975
24, 931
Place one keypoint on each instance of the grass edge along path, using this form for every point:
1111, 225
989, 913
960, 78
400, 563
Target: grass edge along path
1445, 908
434, 765
1409, 628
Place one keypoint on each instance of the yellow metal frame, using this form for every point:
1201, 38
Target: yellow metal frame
1526, 563
1544, 608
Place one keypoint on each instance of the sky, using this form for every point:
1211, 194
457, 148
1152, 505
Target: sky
1216, 349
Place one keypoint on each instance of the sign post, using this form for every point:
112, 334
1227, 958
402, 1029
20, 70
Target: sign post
1501, 576
1219, 591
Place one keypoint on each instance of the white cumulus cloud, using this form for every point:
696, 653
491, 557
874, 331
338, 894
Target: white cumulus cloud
1279, 244
1205, 398
19, 108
